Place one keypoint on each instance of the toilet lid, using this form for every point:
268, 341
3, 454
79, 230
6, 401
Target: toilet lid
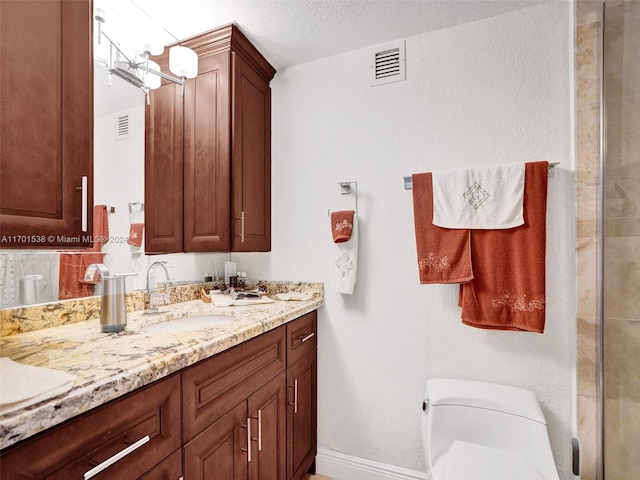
470, 461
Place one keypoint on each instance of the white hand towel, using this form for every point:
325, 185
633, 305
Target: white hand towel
344, 262
297, 296
487, 198
23, 385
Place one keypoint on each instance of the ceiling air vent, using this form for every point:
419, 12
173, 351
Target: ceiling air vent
122, 127
388, 63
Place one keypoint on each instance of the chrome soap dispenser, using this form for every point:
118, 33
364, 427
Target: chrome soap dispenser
113, 304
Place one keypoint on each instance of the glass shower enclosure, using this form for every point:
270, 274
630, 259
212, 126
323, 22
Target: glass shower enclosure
620, 230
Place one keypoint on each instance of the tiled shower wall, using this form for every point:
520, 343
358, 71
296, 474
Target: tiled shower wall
587, 104
622, 233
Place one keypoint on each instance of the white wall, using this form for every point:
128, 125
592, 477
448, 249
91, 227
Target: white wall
483, 93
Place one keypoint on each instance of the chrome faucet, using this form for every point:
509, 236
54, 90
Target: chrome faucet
155, 298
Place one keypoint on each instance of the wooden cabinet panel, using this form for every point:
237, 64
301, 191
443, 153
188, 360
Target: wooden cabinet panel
72, 449
168, 469
214, 386
251, 160
301, 337
221, 451
268, 410
217, 452
301, 416
163, 170
206, 157
46, 122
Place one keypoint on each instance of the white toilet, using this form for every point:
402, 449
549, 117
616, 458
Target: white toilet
484, 431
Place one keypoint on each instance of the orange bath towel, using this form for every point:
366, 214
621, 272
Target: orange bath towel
508, 288
444, 255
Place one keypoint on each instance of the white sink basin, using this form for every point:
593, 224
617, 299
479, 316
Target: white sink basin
187, 323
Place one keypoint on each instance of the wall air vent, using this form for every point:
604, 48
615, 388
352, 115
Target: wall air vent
122, 127
388, 63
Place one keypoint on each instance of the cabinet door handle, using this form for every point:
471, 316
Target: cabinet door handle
259, 438
295, 396
308, 337
115, 458
248, 449
259, 430
85, 220
242, 226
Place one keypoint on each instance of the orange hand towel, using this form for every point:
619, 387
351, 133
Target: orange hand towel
444, 255
342, 225
508, 288
100, 227
73, 265
135, 234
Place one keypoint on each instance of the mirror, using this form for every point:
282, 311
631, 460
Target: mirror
29, 277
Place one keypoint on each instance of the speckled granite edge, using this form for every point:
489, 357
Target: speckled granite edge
110, 365
18, 320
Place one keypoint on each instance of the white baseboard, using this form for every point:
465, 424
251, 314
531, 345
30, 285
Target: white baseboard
339, 466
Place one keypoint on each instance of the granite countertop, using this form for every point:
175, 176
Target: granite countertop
109, 365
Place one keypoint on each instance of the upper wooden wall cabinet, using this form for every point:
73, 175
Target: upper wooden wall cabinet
46, 123
208, 152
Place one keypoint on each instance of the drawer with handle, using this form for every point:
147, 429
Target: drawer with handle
301, 337
123, 439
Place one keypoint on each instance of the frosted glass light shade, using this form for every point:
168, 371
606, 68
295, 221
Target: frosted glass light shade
151, 80
183, 62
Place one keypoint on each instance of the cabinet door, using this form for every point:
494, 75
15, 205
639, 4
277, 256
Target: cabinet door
206, 156
212, 387
301, 416
220, 452
163, 169
251, 159
268, 411
46, 123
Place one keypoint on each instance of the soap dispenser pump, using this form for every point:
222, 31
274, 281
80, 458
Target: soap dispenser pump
113, 304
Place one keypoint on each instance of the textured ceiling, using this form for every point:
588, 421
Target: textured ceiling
291, 32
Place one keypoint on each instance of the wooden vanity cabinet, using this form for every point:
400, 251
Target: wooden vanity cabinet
46, 123
208, 152
302, 391
142, 427
247, 442
250, 412
247, 413
234, 412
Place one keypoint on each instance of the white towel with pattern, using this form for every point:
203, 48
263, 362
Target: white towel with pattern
489, 198
344, 262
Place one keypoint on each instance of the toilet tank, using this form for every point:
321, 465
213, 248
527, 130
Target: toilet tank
483, 413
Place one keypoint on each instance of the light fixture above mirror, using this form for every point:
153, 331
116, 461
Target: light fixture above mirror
127, 37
